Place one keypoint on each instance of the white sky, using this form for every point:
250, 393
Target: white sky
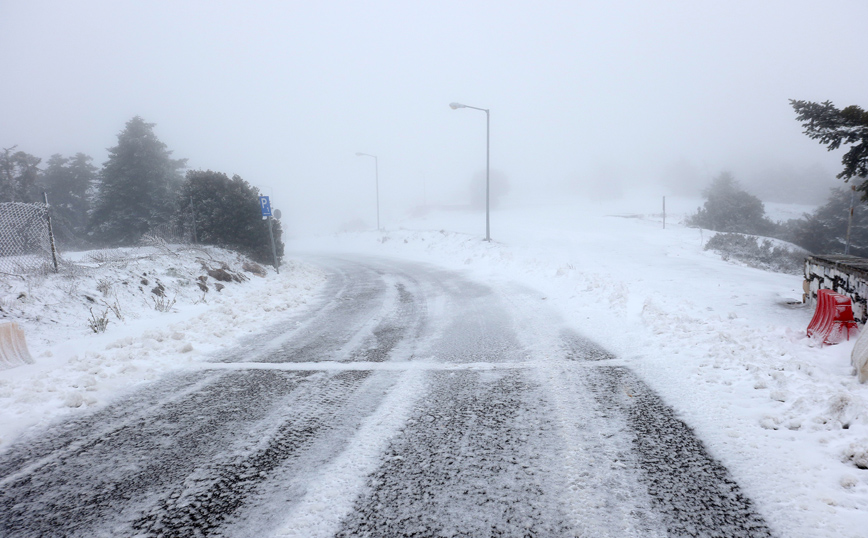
284, 94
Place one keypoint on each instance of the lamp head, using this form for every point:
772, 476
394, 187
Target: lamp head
454, 106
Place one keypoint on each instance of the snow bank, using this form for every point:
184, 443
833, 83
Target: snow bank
163, 312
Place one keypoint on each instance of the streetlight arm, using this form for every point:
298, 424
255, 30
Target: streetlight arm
456, 106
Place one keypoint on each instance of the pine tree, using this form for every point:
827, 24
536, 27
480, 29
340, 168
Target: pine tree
227, 214
69, 182
833, 127
138, 186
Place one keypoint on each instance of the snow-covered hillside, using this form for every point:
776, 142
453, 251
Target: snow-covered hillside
164, 310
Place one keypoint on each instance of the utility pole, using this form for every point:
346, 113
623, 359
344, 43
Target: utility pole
193, 212
850, 220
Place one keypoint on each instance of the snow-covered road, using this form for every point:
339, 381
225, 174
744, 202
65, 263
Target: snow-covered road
408, 401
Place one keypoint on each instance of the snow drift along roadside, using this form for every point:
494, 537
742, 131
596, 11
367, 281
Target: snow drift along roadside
165, 309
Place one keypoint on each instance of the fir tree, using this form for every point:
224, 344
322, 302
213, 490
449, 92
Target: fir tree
138, 186
728, 208
19, 172
69, 182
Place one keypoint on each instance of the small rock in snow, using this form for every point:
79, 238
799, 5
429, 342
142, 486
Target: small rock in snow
778, 395
849, 481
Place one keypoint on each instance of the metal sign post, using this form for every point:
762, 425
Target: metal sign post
265, 206
50, 231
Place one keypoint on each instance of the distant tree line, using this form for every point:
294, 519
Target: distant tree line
139, 189
729, 208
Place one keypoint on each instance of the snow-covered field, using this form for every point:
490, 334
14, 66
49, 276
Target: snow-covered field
723, 344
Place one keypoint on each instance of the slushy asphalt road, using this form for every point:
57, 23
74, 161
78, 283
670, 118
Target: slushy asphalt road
408, 401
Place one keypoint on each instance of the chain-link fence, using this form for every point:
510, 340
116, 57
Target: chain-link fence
25, 245
26, 240
171, 233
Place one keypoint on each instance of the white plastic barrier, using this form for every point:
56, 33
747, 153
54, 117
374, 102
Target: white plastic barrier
859, 356
13, 347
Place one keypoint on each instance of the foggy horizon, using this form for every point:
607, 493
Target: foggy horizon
591, 101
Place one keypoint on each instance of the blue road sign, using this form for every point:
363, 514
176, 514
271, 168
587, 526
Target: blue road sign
265, 205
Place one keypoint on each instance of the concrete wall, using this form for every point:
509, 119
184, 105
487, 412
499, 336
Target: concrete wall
847, 275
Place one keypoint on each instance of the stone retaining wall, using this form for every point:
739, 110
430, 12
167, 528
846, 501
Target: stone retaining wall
847, 275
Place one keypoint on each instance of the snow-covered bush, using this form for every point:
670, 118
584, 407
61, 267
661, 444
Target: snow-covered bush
763, 254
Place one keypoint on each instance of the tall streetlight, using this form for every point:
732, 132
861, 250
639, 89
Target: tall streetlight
455, 106
377, 179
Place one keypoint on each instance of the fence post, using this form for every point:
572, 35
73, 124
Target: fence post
50, 232
664, 212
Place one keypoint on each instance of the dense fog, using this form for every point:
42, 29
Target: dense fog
585, 99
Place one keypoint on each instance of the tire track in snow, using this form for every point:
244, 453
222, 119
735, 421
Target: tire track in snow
694, 493
210, 496
465, 465
562, 447
97, 484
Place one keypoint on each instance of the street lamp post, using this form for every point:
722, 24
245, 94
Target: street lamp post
377, 182
455, 106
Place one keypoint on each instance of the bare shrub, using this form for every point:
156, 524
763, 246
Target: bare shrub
163, 303
115, 307
104, 286
98, 324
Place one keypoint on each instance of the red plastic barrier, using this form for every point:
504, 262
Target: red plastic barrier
833, 321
